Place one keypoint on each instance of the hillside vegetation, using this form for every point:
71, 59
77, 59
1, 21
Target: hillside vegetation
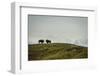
56, 51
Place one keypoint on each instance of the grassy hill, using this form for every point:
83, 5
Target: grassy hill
56, 51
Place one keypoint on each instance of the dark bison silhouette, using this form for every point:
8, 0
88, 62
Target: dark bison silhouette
48, 41
41, 41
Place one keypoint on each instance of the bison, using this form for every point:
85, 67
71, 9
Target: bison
41, 41
48, 41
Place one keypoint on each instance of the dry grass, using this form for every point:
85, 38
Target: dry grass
55, 51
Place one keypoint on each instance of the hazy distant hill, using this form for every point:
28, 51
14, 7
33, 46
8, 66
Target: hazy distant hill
56, 51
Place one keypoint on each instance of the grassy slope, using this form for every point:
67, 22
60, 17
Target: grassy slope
56, 51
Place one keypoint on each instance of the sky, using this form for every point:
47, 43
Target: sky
58, 29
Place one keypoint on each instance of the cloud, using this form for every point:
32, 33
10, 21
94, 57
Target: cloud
58, 29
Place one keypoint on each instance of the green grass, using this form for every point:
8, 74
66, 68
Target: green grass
55, 51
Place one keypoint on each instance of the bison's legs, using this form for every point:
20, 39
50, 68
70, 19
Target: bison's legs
47, 42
